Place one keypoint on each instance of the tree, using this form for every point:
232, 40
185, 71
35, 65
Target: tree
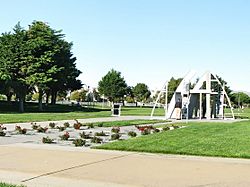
14, 53
37, 59
240, 98
79, 95
172, 86
113, 86
141, 92
42, 44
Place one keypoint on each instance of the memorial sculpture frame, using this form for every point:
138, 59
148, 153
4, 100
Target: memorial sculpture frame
205, 100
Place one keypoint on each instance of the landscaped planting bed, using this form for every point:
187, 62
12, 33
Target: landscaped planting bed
77, 134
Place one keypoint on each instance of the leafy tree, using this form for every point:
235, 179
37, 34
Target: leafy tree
172, 86
240, 98
43, 47
78, 95
14, 54
66, 78
37, 59
141, 92
113, 86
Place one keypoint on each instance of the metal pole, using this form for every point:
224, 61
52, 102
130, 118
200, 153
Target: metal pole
166, 101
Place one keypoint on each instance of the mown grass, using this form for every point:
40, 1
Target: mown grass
2, 184
9, 112
203, 139
126, 123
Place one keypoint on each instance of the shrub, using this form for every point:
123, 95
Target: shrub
60, 128
100, 124
47, 140
2, 133
84, 135
145, 132
175, 126
100, 134
96, 140
52, 125
142, 128
20, 130
132, 134
66, 125
79, 142
90, 125
115, 136
2, 127
156, 130
42, 129
65, 136
77, 126
166, 128
34, 126
115, 129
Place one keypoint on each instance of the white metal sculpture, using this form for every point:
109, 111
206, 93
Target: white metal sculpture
205, 100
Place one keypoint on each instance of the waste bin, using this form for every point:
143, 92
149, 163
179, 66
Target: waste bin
116, 110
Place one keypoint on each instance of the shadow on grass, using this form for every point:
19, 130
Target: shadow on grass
30, 107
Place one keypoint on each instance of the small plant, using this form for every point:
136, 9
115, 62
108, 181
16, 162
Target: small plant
20, 130
47, 140
145, 132
132, 134
79, 142
84, 135
175, 126
100, 134
115, 136
96, 140
77, 126
142, 128
60, 128
166, 128
2, 127
100, 124
52, 125
65, 136
115, 129
41, 129
2, 133
90, 125
34, 126
66, 125
156, 130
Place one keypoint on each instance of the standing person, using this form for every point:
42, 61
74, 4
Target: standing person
178, 109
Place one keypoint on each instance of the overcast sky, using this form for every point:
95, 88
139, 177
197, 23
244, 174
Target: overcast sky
148, 41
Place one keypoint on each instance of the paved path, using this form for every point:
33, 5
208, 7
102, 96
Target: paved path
50, 165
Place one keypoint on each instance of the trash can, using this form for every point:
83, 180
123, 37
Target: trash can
116, 110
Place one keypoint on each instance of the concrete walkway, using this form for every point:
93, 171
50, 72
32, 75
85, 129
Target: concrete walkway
50, 165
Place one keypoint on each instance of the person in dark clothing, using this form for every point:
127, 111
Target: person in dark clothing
178, 106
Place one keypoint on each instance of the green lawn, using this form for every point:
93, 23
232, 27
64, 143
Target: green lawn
242, 113
9, 185
205, 139
9, 114
127, 123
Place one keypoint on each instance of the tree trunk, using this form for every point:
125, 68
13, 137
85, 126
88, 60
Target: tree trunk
40, 101
47, 98
21, 104
9, 98
53, 97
